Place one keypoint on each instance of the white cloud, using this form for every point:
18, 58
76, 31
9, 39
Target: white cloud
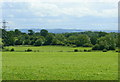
45, 9
83, 9
63, 13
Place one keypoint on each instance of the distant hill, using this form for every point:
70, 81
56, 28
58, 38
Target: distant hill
64, 30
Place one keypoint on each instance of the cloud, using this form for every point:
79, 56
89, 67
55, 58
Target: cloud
83, 9
76, 9
60, 0
45, 9
61, 14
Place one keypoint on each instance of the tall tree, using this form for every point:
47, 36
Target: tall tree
44, 32
30, 32
82, 39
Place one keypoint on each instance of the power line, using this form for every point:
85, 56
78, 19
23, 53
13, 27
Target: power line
4, 24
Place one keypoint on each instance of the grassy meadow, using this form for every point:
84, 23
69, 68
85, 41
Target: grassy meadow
58, 63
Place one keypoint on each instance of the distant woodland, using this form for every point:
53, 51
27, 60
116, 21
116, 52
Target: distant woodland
96, 40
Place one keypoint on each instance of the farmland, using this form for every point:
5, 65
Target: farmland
58, 63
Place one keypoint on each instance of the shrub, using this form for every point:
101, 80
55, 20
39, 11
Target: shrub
12, 49
34, 50
75, 50
89, 50
85, 50
37, 50
104, 50
28, 50
118, 51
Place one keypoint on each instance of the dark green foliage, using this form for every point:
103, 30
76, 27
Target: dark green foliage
44, 32
26, 42
96, 47
106, 42
85, 50
97, 40
100, 34
82, 39
75, 50
89, 50
8, 39
39, 42
28, 50
17, 32
18, 42
12, 49
30, 32
118, 51
49, 39
104, 50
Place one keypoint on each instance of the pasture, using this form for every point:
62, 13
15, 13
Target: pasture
59, 63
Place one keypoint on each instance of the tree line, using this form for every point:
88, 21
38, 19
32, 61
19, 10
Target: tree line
96, 40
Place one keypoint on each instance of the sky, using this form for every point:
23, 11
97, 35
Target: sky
60, 14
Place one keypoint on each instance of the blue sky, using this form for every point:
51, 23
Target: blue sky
65, 14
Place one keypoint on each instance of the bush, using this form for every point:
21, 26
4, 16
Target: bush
37, 50
104, 50
85, 50
75, 50
28, 50
12, 49
89, 50
118, 51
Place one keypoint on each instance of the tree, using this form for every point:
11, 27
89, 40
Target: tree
18, 42
96, 47
106, 42
26, 42
7, 38
72, 39
30, 32
49, 39
101, 34
44, 32
82, 39
26, 36
39, 42
17, 32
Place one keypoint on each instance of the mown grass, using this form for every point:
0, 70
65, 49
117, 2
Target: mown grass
55, 65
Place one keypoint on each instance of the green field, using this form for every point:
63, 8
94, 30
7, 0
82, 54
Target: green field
47, 48
59, 63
